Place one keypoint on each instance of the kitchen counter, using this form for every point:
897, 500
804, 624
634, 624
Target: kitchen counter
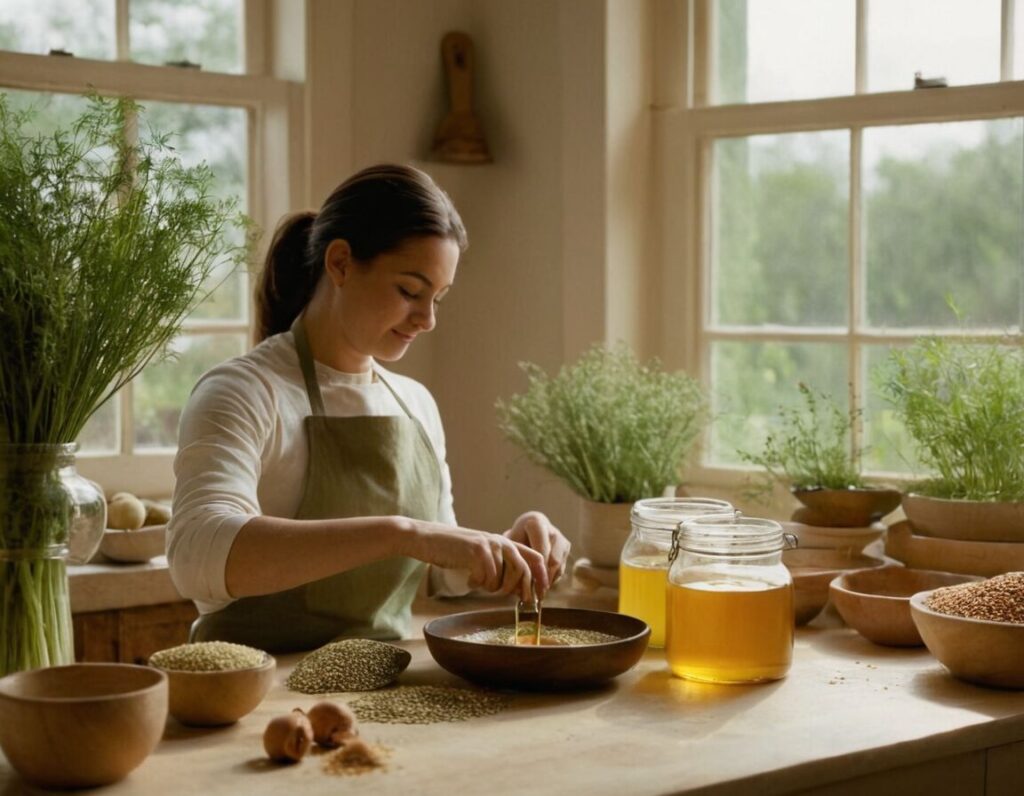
107, 586
850, 718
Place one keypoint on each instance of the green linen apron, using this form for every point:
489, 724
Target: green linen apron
368, 466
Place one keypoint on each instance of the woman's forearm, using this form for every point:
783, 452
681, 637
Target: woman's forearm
271, 554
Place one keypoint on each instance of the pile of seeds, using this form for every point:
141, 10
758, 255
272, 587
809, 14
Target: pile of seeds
355, 664
208, 656
426, 704
550, 635
998, 599
356, 757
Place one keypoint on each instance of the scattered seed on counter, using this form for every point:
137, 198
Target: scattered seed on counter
356, 757
998, 599
355, 664
208, 656
426, 704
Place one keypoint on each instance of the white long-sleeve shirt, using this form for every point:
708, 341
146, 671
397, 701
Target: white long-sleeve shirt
242, 453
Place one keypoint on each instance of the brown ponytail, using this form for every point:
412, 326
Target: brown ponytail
375, 210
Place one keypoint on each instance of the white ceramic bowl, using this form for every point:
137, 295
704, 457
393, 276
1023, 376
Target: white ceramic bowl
134, 546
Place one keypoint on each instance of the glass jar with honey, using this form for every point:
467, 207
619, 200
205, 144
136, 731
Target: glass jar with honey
643, 567
730, 601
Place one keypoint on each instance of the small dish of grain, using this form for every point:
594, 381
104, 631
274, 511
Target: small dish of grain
976, 630
212, 683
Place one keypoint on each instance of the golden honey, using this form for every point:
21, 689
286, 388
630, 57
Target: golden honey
730, 630
642, 583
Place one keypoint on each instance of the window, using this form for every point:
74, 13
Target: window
187, 64
830, 209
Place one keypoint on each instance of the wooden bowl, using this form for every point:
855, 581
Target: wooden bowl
852, 540
537, 668
845, 508
813, 570
947, 555
134, 546
211, 699
83, 725
876, 603
976, 650
965, 520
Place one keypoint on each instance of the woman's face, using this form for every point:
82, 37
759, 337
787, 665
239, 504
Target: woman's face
386, 303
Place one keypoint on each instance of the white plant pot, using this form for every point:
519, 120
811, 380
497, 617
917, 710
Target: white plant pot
603, 530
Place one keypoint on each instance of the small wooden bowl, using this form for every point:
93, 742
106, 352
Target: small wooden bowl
212, 699
83, 725
846, 508
876, 603
813, 569
976, 650
852, 540
537, 668
134, 547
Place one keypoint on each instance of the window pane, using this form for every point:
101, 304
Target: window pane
770, 50
751, 381
100, 435
217, 136
955, 39
51, 111
204, 32
943, 217
779, 229
84, 28
161, 391
889, 447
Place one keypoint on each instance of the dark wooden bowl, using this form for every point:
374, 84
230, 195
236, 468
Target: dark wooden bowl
537, 668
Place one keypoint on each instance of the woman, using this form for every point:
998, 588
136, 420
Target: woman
312, 489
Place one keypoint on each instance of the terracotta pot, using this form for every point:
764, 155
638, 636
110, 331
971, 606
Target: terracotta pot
965, 520
603, 530
844, 508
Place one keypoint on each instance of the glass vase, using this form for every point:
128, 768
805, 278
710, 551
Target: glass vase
46, 511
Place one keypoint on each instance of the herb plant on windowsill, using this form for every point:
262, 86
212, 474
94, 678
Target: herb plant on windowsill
105, 247
612, 428
963, 405
810, 451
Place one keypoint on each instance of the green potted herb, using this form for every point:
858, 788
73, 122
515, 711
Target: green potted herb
810, 451
105, 247
963, 405
612, 428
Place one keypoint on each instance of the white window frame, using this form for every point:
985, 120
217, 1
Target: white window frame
275, 123
686, 126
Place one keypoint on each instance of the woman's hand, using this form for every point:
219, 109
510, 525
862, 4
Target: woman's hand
535, 530
495, 562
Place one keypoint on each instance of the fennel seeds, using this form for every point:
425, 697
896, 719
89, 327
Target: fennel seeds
355, 664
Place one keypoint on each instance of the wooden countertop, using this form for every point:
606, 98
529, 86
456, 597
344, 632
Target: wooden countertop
102, 586
848, 709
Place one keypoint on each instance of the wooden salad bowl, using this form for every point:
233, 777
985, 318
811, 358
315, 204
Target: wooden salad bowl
537, 668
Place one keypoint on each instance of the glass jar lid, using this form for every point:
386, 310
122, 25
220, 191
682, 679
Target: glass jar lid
666, 513
723, 535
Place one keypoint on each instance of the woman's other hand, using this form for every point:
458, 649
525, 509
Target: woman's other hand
535, 530
496, 562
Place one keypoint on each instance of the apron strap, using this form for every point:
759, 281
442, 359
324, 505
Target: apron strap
316, 401
423, 432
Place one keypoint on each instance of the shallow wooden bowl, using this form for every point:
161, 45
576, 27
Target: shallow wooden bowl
813, 569
976, 650
948, 555
848, 508
876, 603
83, 725
852, 540
134, 546
537, 668
211, 699
965, 520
